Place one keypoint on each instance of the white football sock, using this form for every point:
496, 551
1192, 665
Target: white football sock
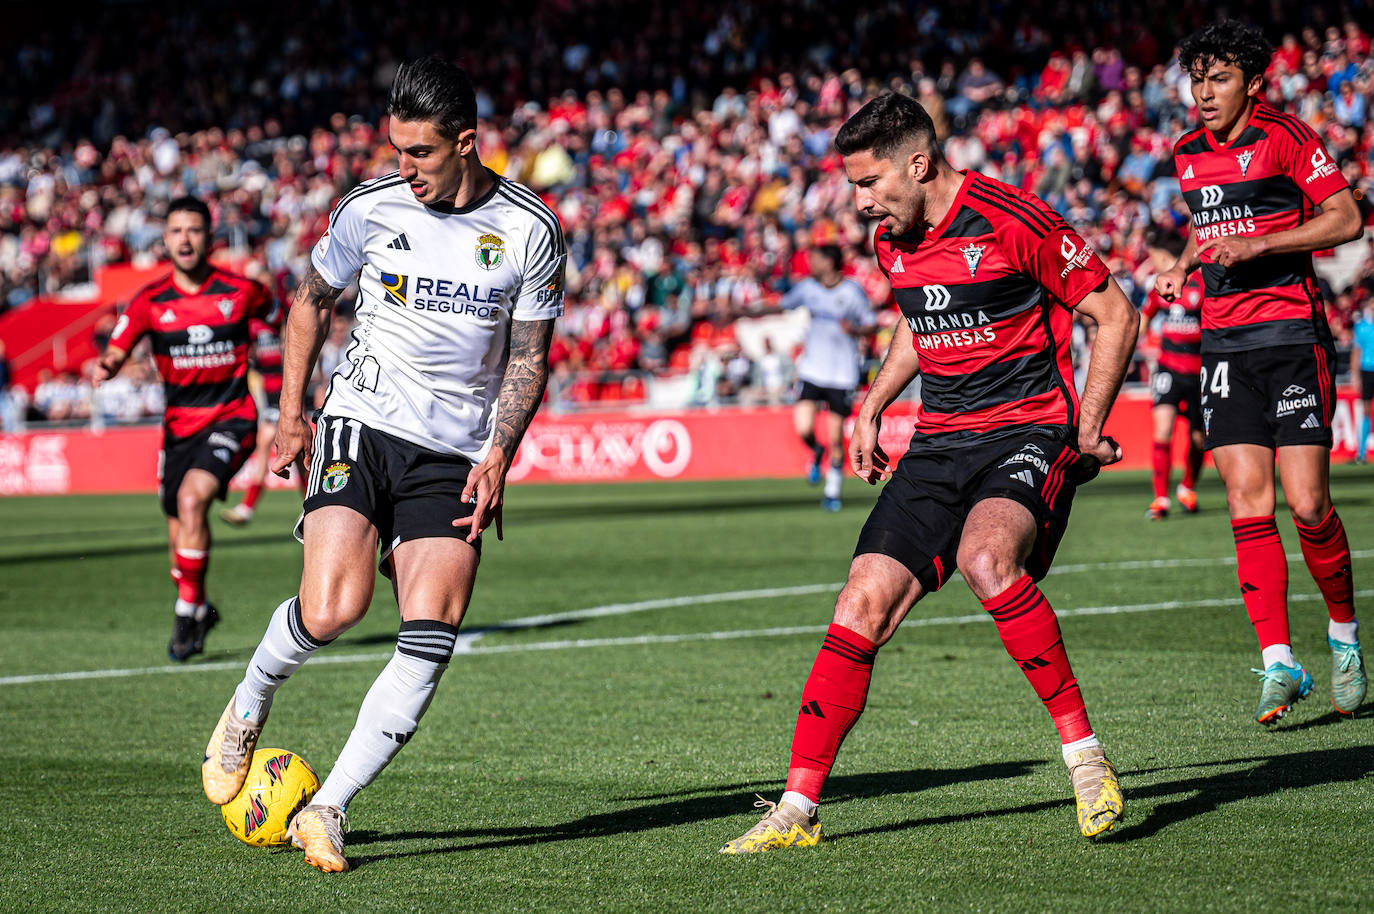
1069, 749
284, 647
391, 712
1277, 653
1349, 632
799, 801
834, 482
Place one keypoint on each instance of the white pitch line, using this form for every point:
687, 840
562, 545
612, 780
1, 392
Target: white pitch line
816, 629
469, 648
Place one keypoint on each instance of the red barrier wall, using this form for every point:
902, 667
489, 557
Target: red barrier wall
606, 447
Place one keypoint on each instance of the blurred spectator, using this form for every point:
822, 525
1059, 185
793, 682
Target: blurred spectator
688, 155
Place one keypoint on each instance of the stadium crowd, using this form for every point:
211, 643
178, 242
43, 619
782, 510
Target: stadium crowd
687, 153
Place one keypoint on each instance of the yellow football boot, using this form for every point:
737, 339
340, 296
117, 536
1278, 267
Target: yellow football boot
319, 831
783, 825
228, 756
1096, 790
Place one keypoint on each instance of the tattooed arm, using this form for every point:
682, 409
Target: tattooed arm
522, 388
306, 327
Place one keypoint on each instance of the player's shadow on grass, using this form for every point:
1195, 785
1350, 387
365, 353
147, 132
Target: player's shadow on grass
714, 802
226, 544
1262, 776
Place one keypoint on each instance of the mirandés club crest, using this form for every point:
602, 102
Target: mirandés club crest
973, 253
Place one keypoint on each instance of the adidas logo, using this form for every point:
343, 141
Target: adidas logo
1034, 663
812, 708
1024, 476
897, 265
1311, 421
1247, 587
1188, 174
399, 243
401, 738
167, 317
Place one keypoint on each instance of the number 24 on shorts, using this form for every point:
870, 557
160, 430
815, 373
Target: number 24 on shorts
1221, 384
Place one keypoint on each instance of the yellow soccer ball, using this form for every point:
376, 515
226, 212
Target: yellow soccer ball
279, 785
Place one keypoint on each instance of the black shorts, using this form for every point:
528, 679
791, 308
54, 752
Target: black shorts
1276, 397
1366, 384
221, 450
408, 492
920, 514
1181, 391
838, 400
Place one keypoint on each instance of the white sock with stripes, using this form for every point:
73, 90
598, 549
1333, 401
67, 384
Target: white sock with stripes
284, 647
391, 712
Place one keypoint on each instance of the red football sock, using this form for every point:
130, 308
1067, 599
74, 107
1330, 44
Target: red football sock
1030, 633
1328, 558
832, 700
1160, 465
1262, 570
191, 565
250, 497
1193, 466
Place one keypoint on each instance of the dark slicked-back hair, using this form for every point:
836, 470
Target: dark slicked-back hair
1227, 42
832, 253
190, 205
886, 125
435, 90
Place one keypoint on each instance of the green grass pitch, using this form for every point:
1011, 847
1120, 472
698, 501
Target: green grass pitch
597, 760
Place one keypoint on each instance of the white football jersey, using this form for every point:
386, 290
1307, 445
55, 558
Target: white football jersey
830, 356
437, 291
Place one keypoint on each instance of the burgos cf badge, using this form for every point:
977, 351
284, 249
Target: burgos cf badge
335, 477
491, 250
395, 286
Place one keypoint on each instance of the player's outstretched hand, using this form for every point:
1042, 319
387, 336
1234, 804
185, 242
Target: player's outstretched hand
485, 490
293, 442
866, 456
1170, 283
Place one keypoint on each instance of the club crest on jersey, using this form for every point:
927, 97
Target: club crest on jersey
973, 253
1243, 159
395, 286
491, 250
335, 478
226, 307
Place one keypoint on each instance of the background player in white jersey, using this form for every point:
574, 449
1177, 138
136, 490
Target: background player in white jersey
460, 277
841, 315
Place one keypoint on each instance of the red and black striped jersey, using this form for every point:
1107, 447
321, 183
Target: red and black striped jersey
200, 343
1180, 337
988, 294
1270, 178
267, 354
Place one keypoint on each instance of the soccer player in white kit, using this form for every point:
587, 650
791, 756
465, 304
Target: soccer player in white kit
460, 278
829, 367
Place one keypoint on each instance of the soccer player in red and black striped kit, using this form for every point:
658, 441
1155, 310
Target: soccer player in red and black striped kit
266, 359
1174, 387
197, 318
988, 279
1265, 194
